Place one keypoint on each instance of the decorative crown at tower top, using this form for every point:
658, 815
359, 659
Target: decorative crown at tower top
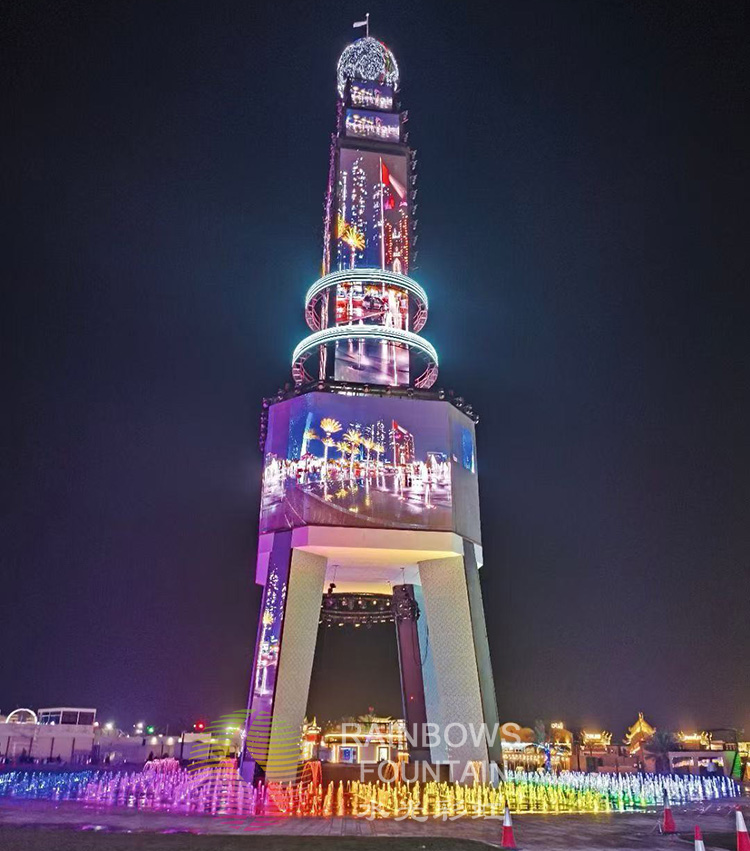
367, 59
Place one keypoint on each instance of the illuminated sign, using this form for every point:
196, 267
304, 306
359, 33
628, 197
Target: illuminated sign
378, 462
370, 95
383, 126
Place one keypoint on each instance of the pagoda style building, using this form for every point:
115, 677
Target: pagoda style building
638, 733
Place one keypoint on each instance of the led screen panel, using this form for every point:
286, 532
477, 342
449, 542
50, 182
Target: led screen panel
372, 211
370, 95
463, 446
372, 361
380, 462
367, 124
372, 230
269, 635
372, 304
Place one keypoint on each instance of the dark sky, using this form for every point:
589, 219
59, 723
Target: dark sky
583, 238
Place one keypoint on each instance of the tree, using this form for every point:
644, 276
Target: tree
368, 445
330, 427
328, 442
658, 746
354, 439
378, 449
355, 240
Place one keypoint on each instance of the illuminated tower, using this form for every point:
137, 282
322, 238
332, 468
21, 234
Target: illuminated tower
370, 476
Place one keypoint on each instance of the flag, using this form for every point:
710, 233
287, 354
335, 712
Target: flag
362, 23
387, 179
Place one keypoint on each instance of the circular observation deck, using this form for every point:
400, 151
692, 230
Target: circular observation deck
375, 277
322, 295
340, 333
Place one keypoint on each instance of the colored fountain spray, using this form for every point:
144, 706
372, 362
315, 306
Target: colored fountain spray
219, 791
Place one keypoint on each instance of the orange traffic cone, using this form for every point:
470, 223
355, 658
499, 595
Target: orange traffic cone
668, 825
699, 844
743, 841
508, 840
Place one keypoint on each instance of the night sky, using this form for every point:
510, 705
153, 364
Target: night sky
583, 239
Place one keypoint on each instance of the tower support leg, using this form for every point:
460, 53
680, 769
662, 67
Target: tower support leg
283, 664
451, 677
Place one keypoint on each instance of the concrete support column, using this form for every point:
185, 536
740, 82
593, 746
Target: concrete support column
482, 650
451, 679
297, 648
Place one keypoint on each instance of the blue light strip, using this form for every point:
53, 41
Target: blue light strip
365, 332
378, 276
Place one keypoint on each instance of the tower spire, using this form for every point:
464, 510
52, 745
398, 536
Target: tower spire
365, 311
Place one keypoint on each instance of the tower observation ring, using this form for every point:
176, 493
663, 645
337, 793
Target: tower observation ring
355, 333
322, 286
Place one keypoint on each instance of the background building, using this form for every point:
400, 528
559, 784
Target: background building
64, 734
73, 736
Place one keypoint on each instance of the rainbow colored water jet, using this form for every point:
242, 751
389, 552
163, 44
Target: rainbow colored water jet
217, 790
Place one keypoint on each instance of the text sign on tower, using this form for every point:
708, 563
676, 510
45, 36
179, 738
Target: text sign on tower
367, 124
370, 95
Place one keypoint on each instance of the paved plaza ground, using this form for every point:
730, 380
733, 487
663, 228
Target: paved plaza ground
69, 826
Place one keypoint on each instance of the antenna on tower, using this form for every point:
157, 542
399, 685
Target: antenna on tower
365, 24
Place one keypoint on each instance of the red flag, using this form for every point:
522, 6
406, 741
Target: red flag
389, 180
